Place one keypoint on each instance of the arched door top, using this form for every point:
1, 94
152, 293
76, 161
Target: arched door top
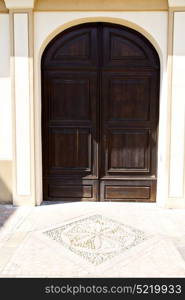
126, 47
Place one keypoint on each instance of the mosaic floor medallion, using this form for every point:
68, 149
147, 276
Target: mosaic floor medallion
97, 238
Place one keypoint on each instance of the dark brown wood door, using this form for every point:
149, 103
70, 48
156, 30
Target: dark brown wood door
100, 98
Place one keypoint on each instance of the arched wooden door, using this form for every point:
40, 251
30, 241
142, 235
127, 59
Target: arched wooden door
100, 100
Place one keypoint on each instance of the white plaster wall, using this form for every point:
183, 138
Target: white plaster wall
5, 91
22, 103
152, 24
177, 163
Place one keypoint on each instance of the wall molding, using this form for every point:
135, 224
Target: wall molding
103, 5
173, 10
20, 198
176, 3
170, 73
16, 4
92, 5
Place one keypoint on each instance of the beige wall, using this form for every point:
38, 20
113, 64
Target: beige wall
5, 112
104, 5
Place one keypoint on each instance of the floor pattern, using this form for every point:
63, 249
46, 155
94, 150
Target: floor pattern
97, 238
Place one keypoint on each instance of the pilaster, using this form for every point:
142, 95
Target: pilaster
21, 36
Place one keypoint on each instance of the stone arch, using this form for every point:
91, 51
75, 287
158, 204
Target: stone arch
151, 53
40, 50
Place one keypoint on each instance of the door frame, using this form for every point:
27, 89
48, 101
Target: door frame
37, 108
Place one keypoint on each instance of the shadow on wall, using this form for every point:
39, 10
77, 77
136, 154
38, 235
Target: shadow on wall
5, 193
5, 114
6, 211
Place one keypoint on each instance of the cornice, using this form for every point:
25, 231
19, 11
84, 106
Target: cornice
176, 3
19, 4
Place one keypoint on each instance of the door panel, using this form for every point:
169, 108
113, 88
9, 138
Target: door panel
71, 96
76, 142
128, 190
72, 189
65, 104
128, 151
100, 93
126, 48
129, 98
73, 49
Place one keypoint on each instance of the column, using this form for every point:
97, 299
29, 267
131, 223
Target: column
176, 191
21, 20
